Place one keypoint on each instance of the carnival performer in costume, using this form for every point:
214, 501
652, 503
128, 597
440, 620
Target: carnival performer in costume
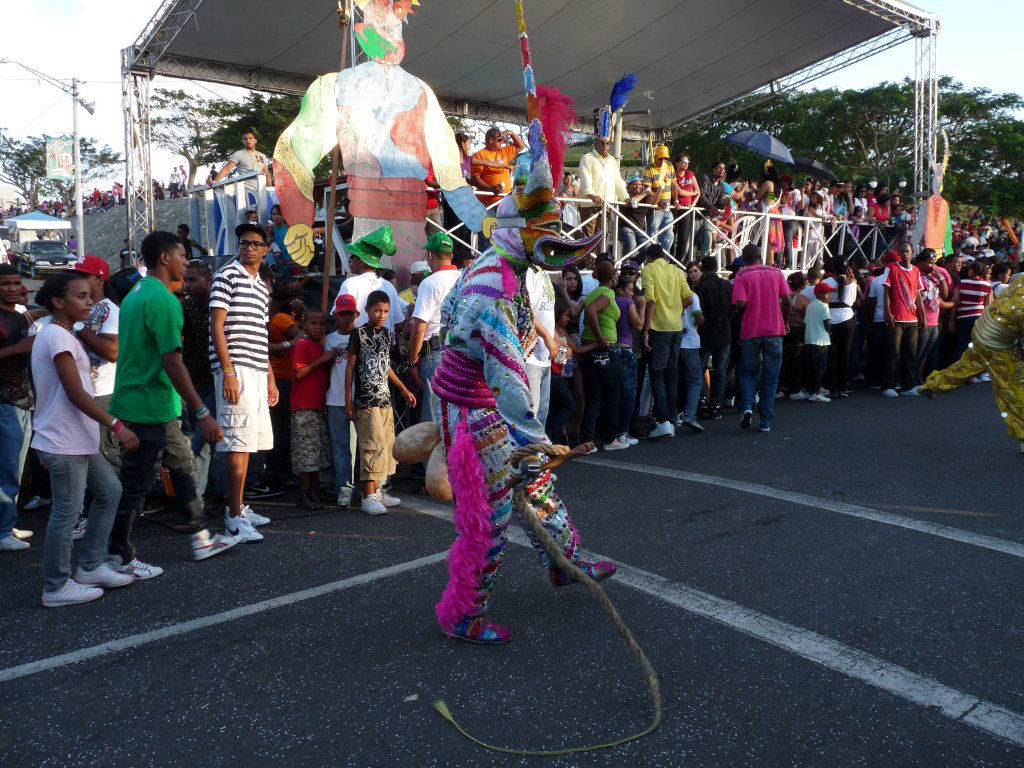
482, 399
995, 349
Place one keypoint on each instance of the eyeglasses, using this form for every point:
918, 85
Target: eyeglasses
255, 245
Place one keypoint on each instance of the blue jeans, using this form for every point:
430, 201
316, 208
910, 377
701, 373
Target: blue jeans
927, 340
341, 443
689, 362
69, 476
719, 374
426, 366
539, 377
627, 388
658, 219
628, 237
751, 353
15, 431
664, 371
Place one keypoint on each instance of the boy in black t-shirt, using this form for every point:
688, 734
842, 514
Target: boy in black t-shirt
368, 403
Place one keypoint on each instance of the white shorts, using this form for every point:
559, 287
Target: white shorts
246, 424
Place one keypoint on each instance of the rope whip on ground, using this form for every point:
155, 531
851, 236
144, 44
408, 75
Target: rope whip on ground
526, 467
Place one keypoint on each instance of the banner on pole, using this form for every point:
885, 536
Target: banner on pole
60, 158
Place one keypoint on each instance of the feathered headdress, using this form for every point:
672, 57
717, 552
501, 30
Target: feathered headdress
617, 100
528, 223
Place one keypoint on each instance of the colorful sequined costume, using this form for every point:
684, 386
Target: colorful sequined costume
995, 348
482, 397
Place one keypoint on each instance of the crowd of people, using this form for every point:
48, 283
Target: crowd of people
225, 386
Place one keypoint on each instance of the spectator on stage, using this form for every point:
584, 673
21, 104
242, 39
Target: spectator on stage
244, 381
492, 165
634, 229
761, 299
425, 330
368, 402
246, 160
66, 437
151, 382
711, 203
667, 294
601, 182
345, 314
687, 195
661, 176
193, 249
904, 317
311, 445
16, 402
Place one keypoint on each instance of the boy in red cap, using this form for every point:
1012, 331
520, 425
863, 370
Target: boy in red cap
346, 312
816, 342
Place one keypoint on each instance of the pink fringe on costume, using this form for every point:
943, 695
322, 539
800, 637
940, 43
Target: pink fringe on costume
468, 556
557, 113
509, 280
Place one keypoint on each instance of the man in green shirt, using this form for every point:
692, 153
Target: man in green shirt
149, 387
667, 295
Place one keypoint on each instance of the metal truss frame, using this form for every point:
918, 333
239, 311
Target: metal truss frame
147, 58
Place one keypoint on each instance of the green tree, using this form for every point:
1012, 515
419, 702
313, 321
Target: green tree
23, 166
184, 124
266, 116
870, 132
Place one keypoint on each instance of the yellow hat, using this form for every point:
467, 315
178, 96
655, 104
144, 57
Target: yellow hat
661, 152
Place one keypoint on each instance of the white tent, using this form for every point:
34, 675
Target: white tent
36, 221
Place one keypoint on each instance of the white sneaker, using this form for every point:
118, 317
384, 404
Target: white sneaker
102, 576
692, 425
344, 497
625, 438
240, 528
36, 502
615, 445
137, 569
12, 544
890, 392
78, 532
665, 429
20, 534
801, 395
779, 394
71, 593
254, 517
387, 499
823, 391
818, 398
913, 392
204, 545
374, 504
986, 377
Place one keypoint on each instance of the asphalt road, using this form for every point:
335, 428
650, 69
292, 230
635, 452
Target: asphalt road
843, 591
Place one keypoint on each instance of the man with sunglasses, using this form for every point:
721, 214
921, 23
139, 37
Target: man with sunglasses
243, 381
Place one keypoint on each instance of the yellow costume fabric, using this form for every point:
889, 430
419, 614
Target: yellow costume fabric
994, 349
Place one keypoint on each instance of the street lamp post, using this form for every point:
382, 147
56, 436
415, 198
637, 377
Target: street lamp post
90, 107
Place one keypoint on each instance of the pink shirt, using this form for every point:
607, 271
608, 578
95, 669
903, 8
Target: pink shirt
761, 287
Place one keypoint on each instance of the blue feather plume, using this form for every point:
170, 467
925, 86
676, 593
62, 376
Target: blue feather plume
621, 91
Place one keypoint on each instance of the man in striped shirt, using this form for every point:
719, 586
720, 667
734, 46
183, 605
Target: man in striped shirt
970, 298
244, 383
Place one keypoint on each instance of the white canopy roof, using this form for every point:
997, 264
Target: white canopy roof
689, 55
36, 220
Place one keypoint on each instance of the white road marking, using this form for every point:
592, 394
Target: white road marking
1006, 547
134, 641
831, 654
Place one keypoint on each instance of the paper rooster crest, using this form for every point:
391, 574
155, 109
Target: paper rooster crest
528, 223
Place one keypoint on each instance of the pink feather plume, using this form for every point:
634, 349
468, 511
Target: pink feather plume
557, 114
468, 556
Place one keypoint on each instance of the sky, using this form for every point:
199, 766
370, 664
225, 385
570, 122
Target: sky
976, 45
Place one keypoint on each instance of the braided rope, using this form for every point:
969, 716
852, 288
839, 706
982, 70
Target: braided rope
559, 454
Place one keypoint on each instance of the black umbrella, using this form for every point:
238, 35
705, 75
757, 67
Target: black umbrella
815, 168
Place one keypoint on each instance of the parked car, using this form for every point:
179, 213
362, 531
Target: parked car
38, 256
